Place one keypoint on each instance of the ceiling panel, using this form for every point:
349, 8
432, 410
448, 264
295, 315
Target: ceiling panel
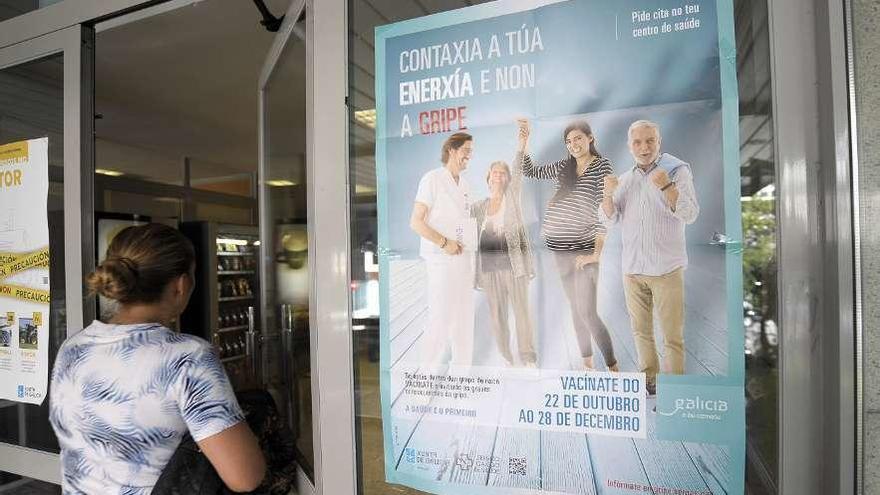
184, 82
396, 10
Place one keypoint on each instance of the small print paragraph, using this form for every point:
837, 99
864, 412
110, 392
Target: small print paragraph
652, 23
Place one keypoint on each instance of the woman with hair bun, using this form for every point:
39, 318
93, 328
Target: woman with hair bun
126, 390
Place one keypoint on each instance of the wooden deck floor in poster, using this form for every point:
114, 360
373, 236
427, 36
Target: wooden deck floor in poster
558, 461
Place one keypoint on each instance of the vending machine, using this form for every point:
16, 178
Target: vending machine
224, 308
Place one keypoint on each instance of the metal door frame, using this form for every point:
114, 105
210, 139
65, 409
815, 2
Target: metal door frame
328, 231
819, 379
304, 484
76, 43
852, 461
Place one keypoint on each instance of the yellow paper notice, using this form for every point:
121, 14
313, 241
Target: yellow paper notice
10, 264
24, 293
13, 153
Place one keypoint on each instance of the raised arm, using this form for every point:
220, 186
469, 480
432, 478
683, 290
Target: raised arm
545, 172
516, 171
516, 174
685, 206
527, 168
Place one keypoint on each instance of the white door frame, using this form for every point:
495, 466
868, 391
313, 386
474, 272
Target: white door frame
329, 239
818, 377
76, 44
328, 230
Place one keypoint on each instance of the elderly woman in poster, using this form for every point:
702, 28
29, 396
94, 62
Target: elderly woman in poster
442, 218
504, 263
573, 231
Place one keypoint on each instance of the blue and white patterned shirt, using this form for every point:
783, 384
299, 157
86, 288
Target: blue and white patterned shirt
122, 397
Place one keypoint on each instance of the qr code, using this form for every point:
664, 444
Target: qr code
517, 466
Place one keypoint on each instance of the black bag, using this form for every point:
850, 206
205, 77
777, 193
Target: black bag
190, 472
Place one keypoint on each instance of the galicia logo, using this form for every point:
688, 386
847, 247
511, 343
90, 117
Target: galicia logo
28, 393
699, 408
698, 404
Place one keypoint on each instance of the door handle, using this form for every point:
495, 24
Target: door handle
287, 366
252, 341
286, 341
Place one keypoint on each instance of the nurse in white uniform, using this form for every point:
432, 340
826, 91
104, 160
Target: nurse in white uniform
441, 216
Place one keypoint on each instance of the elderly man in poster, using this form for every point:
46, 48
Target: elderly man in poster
653, 202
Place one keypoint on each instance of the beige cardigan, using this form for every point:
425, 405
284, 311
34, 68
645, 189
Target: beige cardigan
519, 248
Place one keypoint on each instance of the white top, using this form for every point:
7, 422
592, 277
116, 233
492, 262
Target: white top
495, 221
652, 234
123, 396
449, 212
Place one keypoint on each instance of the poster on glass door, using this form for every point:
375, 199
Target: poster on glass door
24, 271
559, 225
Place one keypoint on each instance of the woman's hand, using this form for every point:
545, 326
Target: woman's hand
583, 260
523, 134
452, 248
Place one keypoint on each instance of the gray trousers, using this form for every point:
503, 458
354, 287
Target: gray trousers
504, 290
580, 289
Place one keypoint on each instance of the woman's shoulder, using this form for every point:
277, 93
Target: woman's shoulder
147, 347
185, 342
154, 335
181, 351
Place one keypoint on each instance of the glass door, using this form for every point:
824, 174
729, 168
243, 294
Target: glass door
284, 230
45, 91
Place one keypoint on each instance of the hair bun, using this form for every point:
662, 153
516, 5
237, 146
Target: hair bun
141, 263
115, 278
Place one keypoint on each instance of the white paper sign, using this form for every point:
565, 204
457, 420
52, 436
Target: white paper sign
24, 271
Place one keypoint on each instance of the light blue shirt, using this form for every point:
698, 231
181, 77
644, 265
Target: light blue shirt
652, 233
122, 397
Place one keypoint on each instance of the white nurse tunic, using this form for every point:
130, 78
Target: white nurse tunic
450, 277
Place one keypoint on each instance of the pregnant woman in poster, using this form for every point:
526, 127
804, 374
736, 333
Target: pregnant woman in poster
504, 263
573, 231
442, 218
